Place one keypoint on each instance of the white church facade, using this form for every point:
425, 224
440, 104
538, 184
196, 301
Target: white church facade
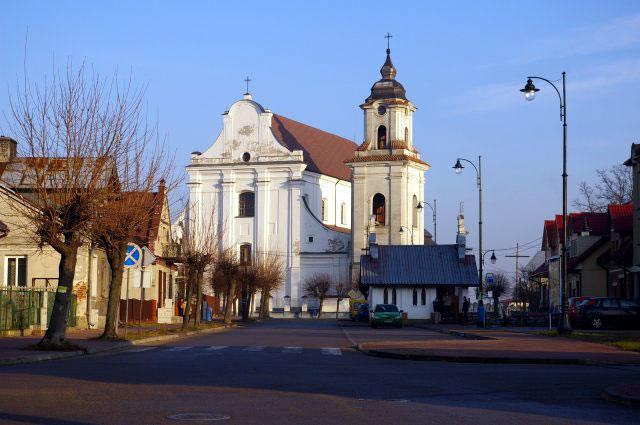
270, 184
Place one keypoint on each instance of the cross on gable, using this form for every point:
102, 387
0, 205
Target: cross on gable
247, 80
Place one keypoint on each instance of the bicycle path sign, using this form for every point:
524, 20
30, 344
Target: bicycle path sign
133, 256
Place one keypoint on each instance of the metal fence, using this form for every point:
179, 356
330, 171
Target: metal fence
23, 308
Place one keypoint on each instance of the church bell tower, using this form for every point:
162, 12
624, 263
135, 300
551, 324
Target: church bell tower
388, 175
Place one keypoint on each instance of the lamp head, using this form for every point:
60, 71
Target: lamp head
458, 166
529, 90
419, 206
493, 257
401, 229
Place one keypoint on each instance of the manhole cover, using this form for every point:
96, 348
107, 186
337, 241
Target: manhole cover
199, 417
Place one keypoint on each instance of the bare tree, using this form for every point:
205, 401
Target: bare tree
70, 131
269, 275
227, 271
342, 292
499, 287
614, 186
318, 287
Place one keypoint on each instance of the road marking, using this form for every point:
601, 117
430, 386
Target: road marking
331, 351
179, 348
141, 349
254, 348
217, 347
296, 350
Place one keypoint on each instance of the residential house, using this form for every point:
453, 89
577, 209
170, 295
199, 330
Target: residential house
634, 163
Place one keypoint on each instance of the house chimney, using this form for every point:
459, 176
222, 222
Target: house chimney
461, 239
8, 148
586, 231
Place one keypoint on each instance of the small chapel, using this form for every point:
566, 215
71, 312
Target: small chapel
317, 200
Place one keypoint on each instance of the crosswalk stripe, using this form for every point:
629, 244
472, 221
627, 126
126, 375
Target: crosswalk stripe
254, 348
141, 349
179, 348
331, 351
292, 350
217, 347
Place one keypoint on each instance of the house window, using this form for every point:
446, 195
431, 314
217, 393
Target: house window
378, 208
385, 296
343, 213
415, 296
394, 299
423, 297
245, 254
382, 137
246, 203
325, 209
16, 271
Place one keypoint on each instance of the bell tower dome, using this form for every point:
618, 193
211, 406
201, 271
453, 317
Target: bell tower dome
388, 175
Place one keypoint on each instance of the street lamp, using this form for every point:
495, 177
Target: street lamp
458, 168
529, 91
408, 228
434, 210
493, 258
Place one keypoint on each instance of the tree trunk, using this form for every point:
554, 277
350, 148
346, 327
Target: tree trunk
264, 304
231, 290
252, 295
54, 338
320, 310
115, 256
197, 319
189, 290
337, 307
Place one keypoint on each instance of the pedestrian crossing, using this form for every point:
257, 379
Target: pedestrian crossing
221, 349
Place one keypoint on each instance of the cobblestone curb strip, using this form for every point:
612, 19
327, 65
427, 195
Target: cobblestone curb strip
623, 395
482, 359
121, 346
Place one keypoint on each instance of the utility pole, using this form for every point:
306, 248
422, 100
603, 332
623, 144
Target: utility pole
517, 257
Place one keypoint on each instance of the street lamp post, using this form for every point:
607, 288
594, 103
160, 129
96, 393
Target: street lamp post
530, 91
434, 210
458, 167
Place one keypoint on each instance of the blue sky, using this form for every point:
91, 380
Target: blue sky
462, 64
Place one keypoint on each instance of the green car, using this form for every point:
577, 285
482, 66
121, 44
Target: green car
385, 314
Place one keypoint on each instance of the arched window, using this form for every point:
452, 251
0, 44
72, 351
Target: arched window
245, 204
423, 297
406, 136
245, 254
394, 299
382, 137
325, 209
415, 296
343, 213
379, 208
385, 296
414, 211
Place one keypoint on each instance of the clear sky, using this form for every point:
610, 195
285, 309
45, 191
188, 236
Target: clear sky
462, 64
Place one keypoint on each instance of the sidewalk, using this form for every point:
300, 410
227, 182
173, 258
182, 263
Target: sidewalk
469, 344
12, 349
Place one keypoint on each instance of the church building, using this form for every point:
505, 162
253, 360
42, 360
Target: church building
270, 184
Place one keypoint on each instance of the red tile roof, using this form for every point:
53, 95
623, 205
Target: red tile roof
621, 217
598, 223
324, 153
550, 234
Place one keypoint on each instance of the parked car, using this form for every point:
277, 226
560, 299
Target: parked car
362, 314
608, 312
573, 307
385, 314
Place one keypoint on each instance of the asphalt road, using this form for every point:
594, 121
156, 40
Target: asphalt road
302, 372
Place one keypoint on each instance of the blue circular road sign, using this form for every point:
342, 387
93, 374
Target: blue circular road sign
133, 256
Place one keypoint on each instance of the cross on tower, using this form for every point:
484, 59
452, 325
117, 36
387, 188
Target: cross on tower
388, 37
247, 80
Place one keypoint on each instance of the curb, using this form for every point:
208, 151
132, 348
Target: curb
483, 359
613, 395
58, 355
458, 333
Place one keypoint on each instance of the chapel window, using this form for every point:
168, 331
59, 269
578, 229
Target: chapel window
246, 204
343, 213
423, 297
415, 296
385, 296
379, 208
382, 137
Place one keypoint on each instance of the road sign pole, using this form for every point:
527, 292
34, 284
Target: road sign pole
141, 293
126, 310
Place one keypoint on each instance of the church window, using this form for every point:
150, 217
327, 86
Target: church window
382, 137
343, 213
246, 204
423, 297
414, 210
394, 299
415, 296
310, 239
385, 296
379, 208
325, 209
245, 254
